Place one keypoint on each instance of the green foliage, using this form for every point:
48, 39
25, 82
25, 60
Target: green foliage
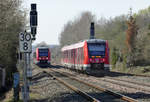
114, 56
12, 100
12, 21
124, 61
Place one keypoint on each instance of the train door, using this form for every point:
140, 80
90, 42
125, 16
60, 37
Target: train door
73, 58
69, 61
82, 58
77, 58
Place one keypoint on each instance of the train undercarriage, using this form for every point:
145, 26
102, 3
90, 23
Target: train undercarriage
90, 69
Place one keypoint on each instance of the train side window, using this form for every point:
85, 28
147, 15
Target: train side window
69, 54
62, 54
81, 54
72, 53
65, 54
34, 55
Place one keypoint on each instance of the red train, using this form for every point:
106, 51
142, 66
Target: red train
91, 56
42, 56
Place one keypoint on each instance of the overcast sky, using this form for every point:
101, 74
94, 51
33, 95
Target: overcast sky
53, 14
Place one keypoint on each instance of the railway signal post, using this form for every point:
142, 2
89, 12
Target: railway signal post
25, 44
33, 20
92, 31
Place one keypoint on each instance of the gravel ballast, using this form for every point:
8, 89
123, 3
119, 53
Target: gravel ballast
133, 93
46, 89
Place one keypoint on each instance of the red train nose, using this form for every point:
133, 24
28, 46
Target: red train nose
43, 58
97, 60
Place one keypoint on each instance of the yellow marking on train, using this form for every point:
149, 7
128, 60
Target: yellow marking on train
98, 56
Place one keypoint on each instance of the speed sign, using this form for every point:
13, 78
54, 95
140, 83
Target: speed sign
25, 42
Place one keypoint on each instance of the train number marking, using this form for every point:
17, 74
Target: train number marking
21, 37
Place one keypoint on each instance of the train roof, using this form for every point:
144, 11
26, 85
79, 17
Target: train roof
42, 48
81, 43
96, 41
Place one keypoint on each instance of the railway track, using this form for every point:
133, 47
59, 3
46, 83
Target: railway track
130, 74
129, 84
85, 95
125, 83
118, 73
137, 83
101, 94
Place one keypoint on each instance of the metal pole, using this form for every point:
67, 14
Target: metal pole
25, 78
28, 73
3, 76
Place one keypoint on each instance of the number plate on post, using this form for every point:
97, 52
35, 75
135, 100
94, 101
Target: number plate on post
25, 42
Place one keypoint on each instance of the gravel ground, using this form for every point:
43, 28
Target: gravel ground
136, 94
47, 89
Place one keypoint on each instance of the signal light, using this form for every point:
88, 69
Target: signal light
33, 32
92, 31
103, 60
90, 60
33, 20
33, 16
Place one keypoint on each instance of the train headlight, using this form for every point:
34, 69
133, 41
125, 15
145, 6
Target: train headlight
90, 60
103, 60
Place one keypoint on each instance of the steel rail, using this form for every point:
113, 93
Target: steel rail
88, 97
123, 97
108, 80
142, 84
131, 74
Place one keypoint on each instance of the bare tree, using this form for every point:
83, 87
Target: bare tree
77, 30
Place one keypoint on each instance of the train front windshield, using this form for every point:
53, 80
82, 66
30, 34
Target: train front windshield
43, 52
96, 49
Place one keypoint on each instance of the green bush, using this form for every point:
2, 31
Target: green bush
114, 57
